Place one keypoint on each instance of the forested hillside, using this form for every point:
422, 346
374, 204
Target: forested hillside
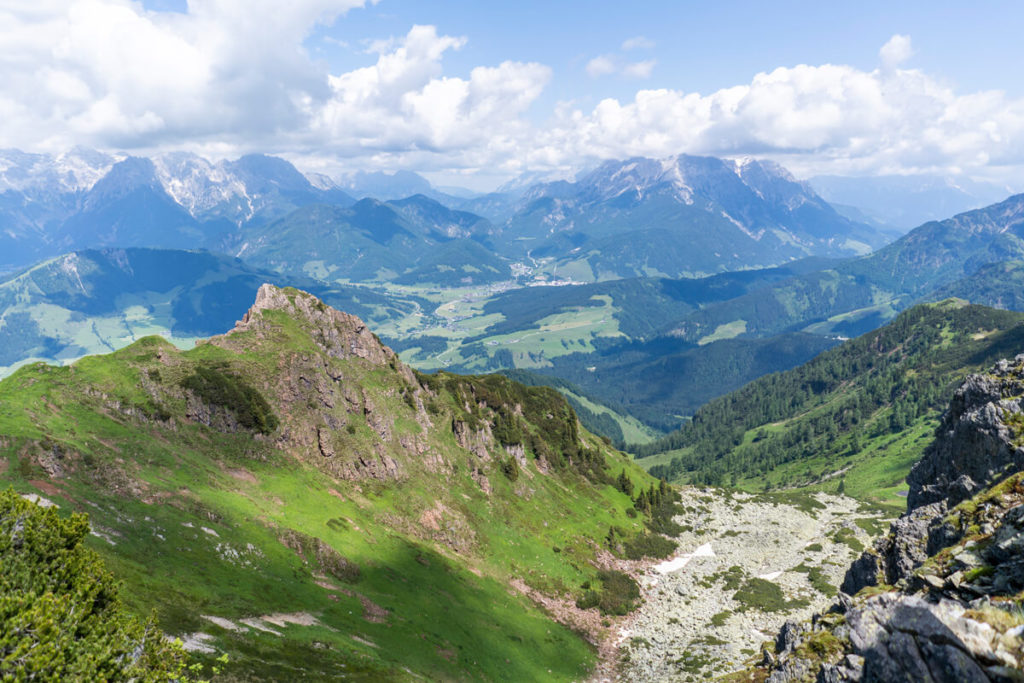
859, 410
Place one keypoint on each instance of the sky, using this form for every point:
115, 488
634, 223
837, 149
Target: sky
472, 93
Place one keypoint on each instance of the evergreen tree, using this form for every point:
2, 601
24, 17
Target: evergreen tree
60, 614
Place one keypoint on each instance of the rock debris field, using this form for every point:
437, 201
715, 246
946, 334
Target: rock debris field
745, 565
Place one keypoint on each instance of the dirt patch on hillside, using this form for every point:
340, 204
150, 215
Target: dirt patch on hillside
243, 475
45, 486
373, 612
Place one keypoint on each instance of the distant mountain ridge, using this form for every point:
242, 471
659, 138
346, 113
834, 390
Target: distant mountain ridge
906, 201
675, 217
82, 199
680, 216
860, 294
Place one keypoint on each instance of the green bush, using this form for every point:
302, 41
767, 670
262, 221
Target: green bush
618, 595
765, 596
216, 386
60, 614
510, 468
649, 545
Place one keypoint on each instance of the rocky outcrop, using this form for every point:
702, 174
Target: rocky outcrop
945, 587
338, 334
974, 447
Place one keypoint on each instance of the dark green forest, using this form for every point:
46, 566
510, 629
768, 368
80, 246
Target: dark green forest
902, 372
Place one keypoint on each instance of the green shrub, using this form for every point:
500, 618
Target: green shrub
216, 386
847, 536
765, 596
720, 618
61, 617
618, 595
510, 468
649, 545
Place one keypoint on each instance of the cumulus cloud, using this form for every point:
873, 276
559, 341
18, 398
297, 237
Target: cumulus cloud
110, 73
896, 51
403, 103
231, 76
828, 118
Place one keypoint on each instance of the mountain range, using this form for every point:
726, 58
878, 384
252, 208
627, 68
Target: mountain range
445, 285
679, 216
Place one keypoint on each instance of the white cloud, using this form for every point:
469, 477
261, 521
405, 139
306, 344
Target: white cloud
607, 65
828, 118
602, 65
638, 43
896, 51
231, 76
639, 69
404, 104
114, 74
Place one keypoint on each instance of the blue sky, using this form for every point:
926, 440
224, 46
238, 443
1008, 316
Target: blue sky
703, 46
480, 92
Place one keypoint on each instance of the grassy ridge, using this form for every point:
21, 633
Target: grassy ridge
202, 515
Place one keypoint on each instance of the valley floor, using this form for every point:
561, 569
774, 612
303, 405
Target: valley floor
746, 564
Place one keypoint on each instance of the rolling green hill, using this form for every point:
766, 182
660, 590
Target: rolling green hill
859, 414
294, 496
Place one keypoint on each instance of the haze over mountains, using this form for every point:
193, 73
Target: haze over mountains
906, 201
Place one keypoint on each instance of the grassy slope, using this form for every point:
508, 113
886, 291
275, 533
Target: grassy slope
860, 414
596, 416
151, 487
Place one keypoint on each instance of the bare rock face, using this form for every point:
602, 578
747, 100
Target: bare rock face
906, 638
476, 441
973, 445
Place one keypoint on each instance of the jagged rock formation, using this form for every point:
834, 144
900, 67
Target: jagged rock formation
940, 597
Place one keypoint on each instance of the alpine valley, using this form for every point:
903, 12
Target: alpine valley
671, 419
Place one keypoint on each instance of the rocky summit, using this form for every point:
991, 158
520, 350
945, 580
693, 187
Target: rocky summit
937, 598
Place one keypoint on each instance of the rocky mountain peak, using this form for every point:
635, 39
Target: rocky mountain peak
338, 334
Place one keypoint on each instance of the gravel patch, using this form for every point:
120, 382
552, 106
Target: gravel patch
692, 625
